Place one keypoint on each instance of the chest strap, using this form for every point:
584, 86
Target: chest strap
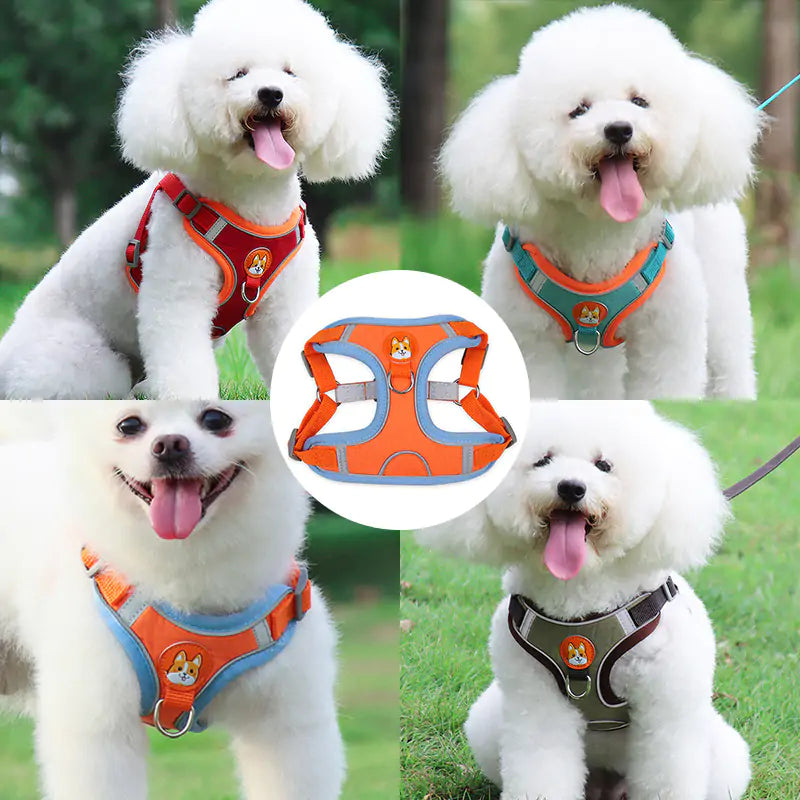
249, 256
581, 654
182, 661
402, 444
589, 314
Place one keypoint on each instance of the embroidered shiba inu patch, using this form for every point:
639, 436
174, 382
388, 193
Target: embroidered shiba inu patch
577, 652
589, 314
257, 262
400, 349
182, 663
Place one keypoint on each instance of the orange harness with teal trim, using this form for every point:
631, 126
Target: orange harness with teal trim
589, 314
250, 256
182, 661
401, 444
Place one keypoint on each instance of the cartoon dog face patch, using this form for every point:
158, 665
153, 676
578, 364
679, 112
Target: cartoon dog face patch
257, 262
577, 652
589, 314
401, 349
184, 672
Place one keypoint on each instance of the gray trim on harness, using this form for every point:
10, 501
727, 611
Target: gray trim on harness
355, 392
215, 230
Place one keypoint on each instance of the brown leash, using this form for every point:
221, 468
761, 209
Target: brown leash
755, 476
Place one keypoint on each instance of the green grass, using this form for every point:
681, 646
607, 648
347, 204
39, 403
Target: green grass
750, 589
365, 609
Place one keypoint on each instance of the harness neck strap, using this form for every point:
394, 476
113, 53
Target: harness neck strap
580, 654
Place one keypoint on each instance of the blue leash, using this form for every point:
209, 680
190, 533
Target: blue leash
779, 92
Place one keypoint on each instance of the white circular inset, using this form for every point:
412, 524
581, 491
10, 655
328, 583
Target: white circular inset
397, 298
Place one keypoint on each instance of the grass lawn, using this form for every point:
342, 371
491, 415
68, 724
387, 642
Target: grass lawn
750, 588
201, 768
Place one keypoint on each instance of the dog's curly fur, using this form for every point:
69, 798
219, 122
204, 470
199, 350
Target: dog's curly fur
520, 155
658, 510
82, 332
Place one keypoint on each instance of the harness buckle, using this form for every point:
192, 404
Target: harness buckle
666, 237
509, 240
135, 246
177, 201
596, 341
302, 580
292, 443
509, 431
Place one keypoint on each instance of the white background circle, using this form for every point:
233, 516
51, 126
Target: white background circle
402, 294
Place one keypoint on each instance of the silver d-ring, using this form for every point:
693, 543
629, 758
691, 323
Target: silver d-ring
585, 691
596, 343
172, 734
246, 298
401, 391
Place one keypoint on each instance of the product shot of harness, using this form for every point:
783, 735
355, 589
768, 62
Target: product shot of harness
589, 314
580, 654
249, 256
182, 661
402, 444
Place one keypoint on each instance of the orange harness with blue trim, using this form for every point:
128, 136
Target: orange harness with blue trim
182, 661
250, 256
589, 314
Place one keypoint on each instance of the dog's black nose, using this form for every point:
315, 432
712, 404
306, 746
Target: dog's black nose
270, 96
171, 449
618, 132
571, 491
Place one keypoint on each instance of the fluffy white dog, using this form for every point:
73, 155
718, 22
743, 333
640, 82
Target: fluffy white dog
608, 127
193, 505
259, 93
605, 502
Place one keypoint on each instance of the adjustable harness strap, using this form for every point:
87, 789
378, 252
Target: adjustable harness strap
580, 654
183, 661
590, 314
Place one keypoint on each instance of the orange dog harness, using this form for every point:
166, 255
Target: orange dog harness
182, 661
401, 444
250, 256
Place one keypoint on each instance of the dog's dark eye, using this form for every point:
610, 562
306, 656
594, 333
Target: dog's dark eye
239, 74
603, 465
579, 110
544, 460
640, 101
215, 420
131, 426
288, 71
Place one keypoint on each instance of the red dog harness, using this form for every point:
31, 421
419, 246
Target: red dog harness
250, 256
182, 661
401, 444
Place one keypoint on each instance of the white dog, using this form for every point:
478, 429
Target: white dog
605, 503
193, 506
259, 93
609, 127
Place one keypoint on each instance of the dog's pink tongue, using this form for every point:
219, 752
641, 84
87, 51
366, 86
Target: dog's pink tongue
270, 145
621, 194
565, 550
175, 508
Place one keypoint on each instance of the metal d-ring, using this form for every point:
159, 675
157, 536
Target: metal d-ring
246, 298
596, 342
172, 734
477, 392
402, 391
585, 691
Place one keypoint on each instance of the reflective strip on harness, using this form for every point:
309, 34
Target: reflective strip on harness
249, 256
580, 655
589, 314
401, 445
182, 661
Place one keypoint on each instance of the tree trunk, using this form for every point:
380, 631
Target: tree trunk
166, 13
65, 212
780, 61
422, 103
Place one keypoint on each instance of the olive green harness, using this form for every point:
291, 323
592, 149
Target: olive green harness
580, 654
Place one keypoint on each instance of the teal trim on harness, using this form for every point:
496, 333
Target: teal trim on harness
206, 625
601, 308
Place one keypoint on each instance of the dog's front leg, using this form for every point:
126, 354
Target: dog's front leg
293, 291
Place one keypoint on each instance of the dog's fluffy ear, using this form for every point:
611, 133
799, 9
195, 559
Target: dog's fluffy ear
470, 536
356, 141
722, 163
151, 120
694, 509
481, 162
